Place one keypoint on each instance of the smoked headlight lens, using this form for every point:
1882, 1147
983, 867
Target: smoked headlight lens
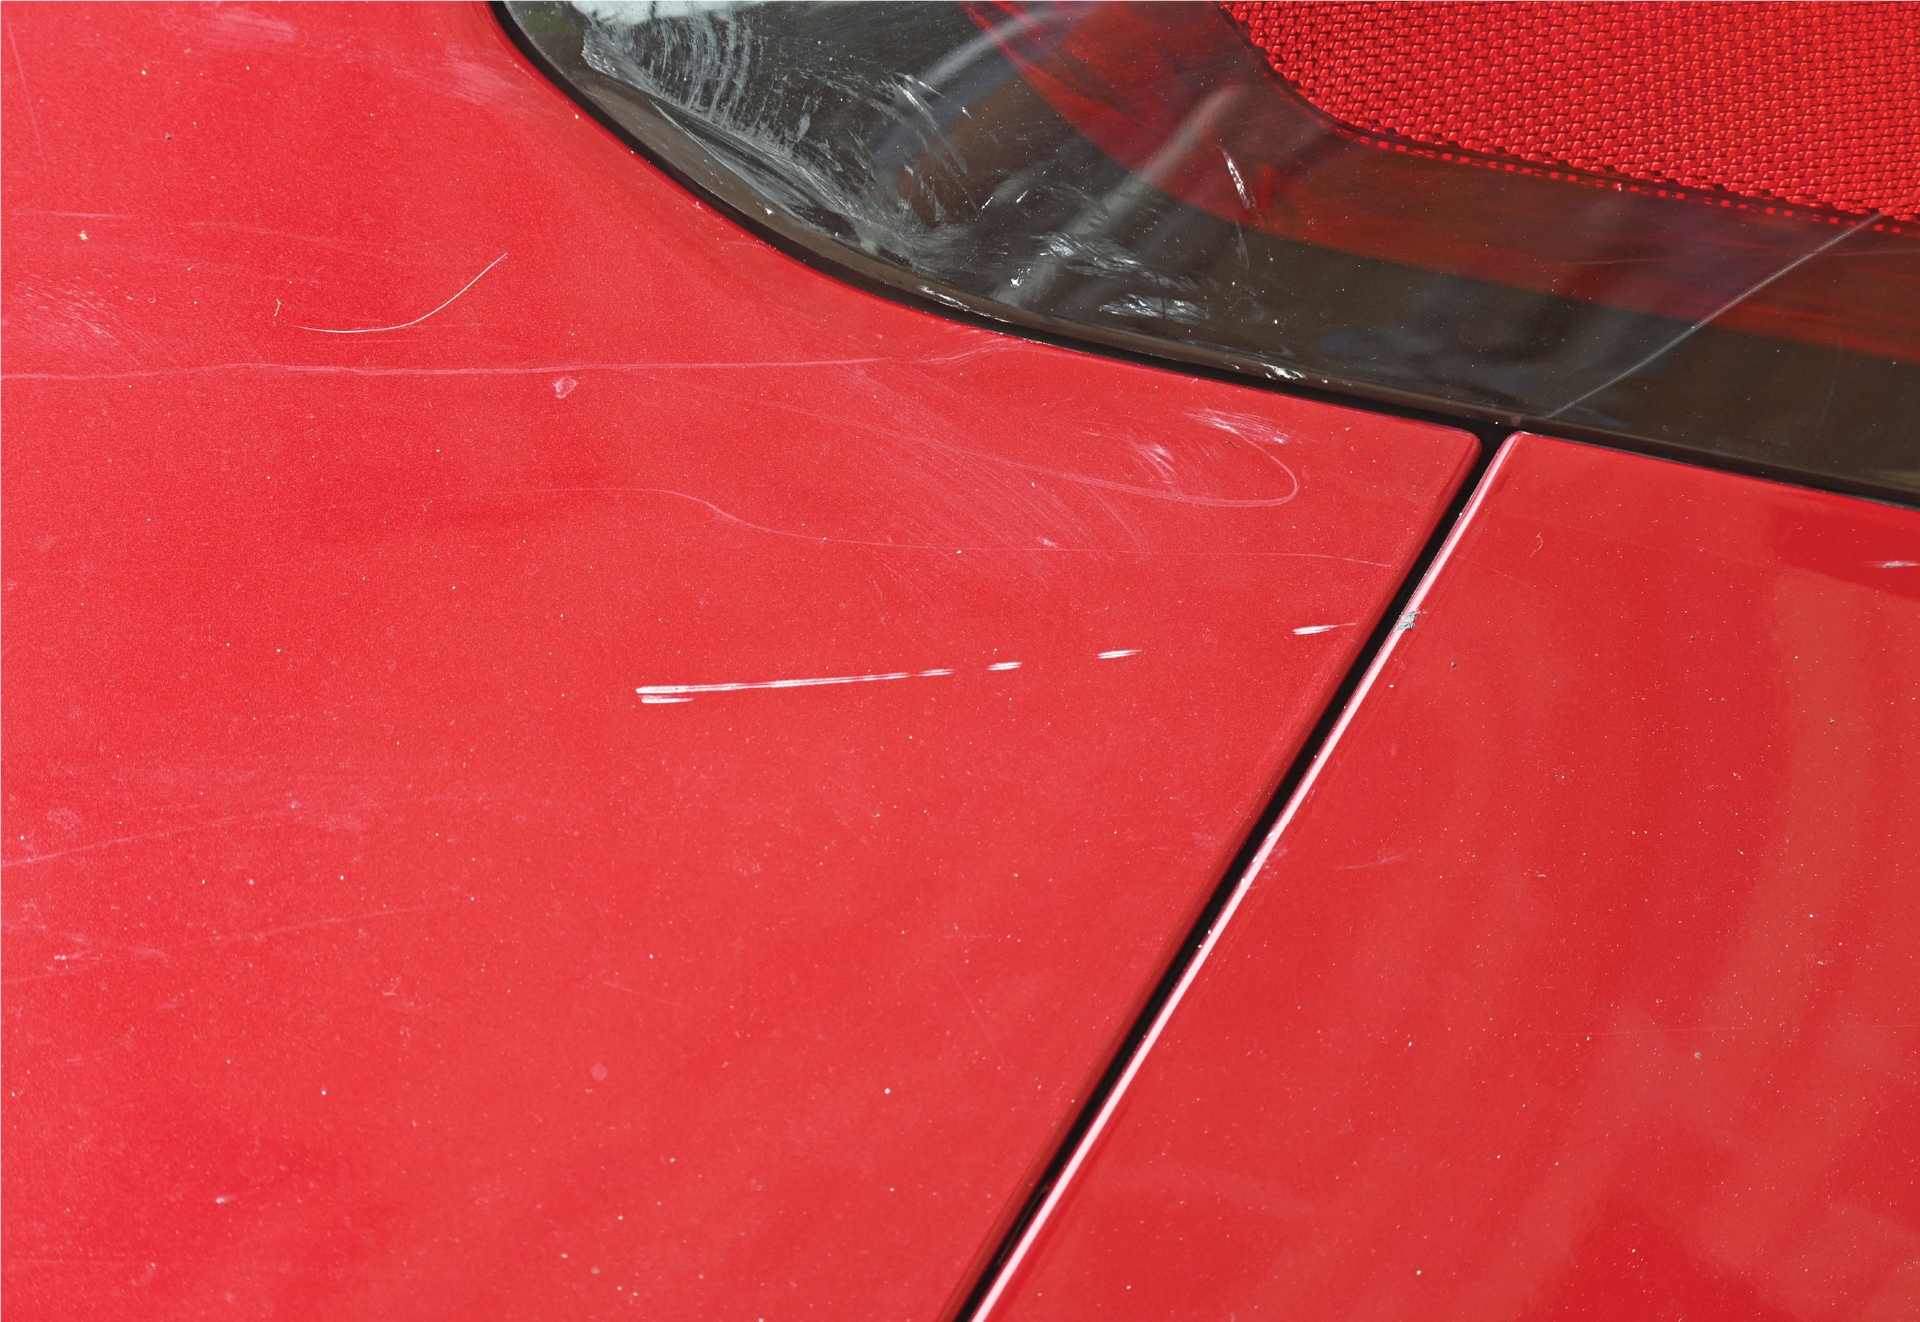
1142, 177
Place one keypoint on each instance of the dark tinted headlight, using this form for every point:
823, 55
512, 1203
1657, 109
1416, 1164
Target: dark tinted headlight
1141, 176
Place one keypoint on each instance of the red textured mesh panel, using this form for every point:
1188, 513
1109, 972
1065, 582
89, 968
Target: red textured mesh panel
1811, 104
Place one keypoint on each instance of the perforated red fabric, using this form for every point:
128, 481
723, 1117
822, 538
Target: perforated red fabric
1810, 104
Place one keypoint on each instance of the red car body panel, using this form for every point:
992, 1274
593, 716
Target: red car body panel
1583, 976
435, 884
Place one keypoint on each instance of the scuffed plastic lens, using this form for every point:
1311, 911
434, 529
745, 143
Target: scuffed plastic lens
1140, 177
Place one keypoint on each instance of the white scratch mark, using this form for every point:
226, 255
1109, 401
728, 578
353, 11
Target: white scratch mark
27, 96
317, 923
336, 369
260, 935
1892, 564
1380, 862
145, 835
1247, 426
1734, 302
1125, 651
370, 330
649, 996
1004, 665
1322, 628
663, 689
1084, 479
1047, 545
75, 215
658, 697
240, 31
980, 1019
1239, 184
1407, 621
564, 387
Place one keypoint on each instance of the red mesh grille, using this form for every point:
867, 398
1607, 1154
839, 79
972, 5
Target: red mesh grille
1810, 104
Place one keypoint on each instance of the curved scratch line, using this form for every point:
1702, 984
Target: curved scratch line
1084, 479
945, 447
818, 539
1156, 493
821, 539
1724, 308
369, 330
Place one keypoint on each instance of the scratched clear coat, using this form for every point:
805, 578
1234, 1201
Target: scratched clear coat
372, 946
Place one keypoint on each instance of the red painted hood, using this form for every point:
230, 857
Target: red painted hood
440, 876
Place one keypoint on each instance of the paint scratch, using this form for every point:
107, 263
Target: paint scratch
985, 1030
33, 118
337, 369
144, 835
256, 935
647, 996
1115, 655
1322, 628
663, 690
1051, 547
370, 330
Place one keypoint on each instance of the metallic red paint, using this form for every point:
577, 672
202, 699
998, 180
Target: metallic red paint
377, 427
1583, 979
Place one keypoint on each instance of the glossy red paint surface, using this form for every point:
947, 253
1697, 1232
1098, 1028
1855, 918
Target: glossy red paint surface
1584, 980
373, 946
